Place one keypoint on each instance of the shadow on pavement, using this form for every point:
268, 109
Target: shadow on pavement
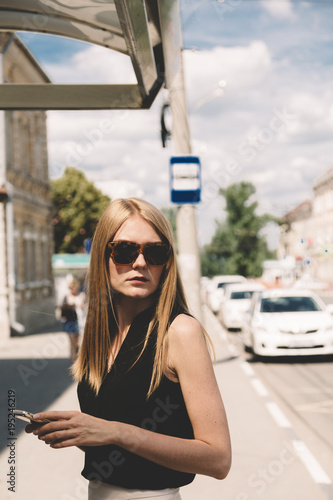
326, 358
36, 384
227, 359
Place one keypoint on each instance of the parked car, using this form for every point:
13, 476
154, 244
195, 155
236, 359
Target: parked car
309, 283
288, 322
204, 288
216, 289
236, 301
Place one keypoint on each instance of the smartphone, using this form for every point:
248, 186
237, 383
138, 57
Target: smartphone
28, 417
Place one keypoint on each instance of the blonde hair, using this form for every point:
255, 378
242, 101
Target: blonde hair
74, 284
92, 360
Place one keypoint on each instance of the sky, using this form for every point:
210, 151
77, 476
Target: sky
258, 77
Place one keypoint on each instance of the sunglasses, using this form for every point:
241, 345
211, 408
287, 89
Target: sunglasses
124, 253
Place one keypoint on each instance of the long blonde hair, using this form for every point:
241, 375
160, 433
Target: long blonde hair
92, 360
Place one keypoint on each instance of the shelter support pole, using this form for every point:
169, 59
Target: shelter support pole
188, 252
4, 306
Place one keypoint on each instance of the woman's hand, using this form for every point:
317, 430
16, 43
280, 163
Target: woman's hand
73, 428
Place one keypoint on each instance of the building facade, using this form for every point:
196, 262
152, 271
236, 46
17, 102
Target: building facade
322, 215
26, 236
307, 232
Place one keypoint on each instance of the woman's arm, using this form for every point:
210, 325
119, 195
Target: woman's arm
208, 453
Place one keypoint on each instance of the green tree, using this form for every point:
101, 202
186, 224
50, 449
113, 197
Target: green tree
77, 206
237, 246
171, 215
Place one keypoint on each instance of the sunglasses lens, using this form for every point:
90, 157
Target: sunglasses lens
156, 254
125, 252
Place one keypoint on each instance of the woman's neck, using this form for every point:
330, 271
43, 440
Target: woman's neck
126, 310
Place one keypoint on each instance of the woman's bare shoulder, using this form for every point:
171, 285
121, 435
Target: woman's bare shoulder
187, 347
184, 328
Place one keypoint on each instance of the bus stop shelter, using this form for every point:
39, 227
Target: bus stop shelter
149, 33
141, 29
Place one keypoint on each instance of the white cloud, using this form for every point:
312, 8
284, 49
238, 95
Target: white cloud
121, 150
314, 114
94, 64
119, 188
281, 9
212, 74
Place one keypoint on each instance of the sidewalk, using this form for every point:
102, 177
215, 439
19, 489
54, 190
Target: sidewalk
41, 473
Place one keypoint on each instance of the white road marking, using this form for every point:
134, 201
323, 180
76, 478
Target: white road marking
278, 415
311, 463
317, 407
233, 350
247, 369
259, 387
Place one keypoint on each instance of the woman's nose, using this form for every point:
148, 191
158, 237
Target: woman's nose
140, 261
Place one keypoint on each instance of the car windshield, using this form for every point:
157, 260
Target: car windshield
224, 285
288, 304
241, 295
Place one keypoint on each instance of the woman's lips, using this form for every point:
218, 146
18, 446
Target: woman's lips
139, 278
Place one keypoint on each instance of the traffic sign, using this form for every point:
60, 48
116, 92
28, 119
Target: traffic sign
185, 179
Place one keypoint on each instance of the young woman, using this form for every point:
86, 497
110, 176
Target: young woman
152, 415
71, 311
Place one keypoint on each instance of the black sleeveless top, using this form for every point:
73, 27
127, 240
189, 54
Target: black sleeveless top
122, 397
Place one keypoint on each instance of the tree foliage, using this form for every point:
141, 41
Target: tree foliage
171, 214
237, 246
77, 206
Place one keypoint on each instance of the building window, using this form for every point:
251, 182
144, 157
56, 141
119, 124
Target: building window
42, 146
30, 260
25, 148
9, 139
33, 262
17, 258
44, 261
38, 142
15, 140
27, 253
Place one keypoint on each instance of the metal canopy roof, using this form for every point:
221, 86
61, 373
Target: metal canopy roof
128, 26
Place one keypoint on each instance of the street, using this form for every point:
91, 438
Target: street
297, 392
279, 412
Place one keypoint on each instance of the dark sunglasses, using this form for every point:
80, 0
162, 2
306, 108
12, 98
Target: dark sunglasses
124, 253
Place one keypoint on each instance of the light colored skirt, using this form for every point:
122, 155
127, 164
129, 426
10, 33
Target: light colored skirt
102, 491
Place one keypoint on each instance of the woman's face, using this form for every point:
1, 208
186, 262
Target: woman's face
74, 289
138, 280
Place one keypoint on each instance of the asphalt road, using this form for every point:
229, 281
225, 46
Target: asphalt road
304, 390
298, 391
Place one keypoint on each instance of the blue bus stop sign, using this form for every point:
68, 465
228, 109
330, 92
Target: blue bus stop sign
185, 179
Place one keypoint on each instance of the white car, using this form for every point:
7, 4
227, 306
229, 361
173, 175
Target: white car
288, 322
216, 289
309, 283
236, 301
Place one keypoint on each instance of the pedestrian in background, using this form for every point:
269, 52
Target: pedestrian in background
151, 411
71, 310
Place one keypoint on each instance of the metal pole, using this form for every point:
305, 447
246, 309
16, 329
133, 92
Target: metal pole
189, 261
4, 306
